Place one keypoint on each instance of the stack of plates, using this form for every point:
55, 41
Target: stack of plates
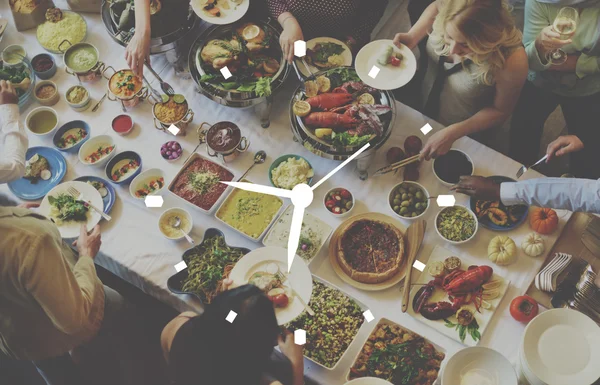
560, 346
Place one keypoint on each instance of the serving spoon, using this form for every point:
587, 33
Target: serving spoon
259, 158
177, 225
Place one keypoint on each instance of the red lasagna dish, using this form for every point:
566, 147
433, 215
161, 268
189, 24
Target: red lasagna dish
199, 182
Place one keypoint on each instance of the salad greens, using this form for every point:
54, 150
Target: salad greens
326, 50
345, 139
65, 208
262, 86
15, 75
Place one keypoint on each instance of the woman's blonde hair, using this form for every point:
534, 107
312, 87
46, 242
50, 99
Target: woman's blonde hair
488, 27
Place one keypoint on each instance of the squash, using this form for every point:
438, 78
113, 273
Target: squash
543, 220
533, 245
502, 250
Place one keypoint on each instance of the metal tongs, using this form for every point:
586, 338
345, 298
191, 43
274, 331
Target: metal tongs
397, 165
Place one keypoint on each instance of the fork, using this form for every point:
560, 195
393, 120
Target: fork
523, 168
166, 87
79, 197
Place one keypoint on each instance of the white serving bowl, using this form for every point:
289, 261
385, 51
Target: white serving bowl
144, 177
342, 215
456, 242
368, 381
181, 213
35, 111
92, 144
408, 183
479, 361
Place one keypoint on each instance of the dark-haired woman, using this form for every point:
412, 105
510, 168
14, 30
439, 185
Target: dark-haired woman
208, 349
350, 21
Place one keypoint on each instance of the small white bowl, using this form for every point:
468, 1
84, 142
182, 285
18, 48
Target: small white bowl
440, 179
92, 144
52, 100
481, 361
81, 106
456, 242
13, 48
343, 214
391, 198
181, 213
35, 111
145, 177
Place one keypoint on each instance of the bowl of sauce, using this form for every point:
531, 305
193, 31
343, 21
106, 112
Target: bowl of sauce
43, 66
450, 167
122, 124
82, 61
225, 141
46, 93
41, 121
168, 219
13, 55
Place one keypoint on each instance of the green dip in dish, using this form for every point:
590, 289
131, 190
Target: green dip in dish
42, 122
81, 58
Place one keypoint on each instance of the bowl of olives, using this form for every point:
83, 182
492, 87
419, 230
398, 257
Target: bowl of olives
409, 200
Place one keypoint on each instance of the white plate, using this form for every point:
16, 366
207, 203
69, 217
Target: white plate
478, 361
145, 177
368, 381
71, 229
483, 318
280, 231
228, 16
389, 77
346, 55
299, 277
562, 346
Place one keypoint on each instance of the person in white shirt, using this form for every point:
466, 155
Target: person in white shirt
13, 138
557, 193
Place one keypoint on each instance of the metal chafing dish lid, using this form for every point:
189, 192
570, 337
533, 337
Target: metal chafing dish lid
219, 31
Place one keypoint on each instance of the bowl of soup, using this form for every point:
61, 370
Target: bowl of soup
71, 136
97, 151
168, 219
41, 121
13, 55
123, 167
126, 87
82, 60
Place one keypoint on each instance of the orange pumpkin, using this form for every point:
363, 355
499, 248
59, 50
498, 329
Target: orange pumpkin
543, 220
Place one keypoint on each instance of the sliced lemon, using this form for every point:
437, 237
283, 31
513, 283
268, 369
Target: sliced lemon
323, 132
324, 84
34, 158
436, 269
489, 295
486, 305
301, 108
496, 283
366, 99
164, 98
250, 32
311, 89
179, 99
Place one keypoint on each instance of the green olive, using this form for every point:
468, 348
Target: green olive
403, 210
414, 214
404, 196
411, 195
405, 204
401, 190
349, 205
418, 206
396, 208
398, 196
412, 189
344, 211
397, 201
419, 195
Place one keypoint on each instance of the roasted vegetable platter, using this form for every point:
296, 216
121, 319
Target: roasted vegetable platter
496, 216
457, 296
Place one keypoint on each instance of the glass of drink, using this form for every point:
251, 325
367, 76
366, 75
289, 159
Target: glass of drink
565, 24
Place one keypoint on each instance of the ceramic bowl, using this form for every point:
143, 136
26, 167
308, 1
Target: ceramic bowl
179, 212
92, 145
13, 52
84, 104
50, 101
393, 192
147, 176
479, 363
282, 159
44, 75
68, 126
441, 159
342, 215
456, 242
132, 155
126, 132
36, 111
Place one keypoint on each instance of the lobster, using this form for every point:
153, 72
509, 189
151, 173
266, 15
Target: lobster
330, 119
330, 100
463, 287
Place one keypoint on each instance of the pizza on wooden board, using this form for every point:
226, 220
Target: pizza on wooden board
370, 251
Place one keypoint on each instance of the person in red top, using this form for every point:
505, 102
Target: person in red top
350, 21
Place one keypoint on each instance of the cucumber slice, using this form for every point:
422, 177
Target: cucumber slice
103, 192
45, 174
34, 158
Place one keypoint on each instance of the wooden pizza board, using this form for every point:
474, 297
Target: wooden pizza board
345, 277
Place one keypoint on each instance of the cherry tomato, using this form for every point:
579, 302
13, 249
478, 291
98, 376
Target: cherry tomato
395, 61
280, 300
345, 194
524, 308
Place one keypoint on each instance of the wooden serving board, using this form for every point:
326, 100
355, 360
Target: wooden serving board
483, 318
345, 277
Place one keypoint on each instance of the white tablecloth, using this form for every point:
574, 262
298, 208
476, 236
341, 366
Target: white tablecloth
134, 249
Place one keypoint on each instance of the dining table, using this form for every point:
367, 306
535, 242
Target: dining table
134, 249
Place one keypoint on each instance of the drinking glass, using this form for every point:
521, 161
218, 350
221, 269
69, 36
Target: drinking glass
564, 24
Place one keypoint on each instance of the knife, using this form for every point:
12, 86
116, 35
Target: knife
414, 237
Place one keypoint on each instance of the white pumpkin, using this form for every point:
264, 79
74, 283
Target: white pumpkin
533, 245
502, 250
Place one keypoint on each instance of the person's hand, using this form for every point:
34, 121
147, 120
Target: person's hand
88, 244
291, 33
478, 187
290, 349
227, 282
28, 205
563, 145
405, 38
437, 144
137, 51
8, 94
549, 40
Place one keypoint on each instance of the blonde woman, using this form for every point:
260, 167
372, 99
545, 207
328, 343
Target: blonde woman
476, 67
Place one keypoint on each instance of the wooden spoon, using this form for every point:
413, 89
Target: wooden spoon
414, 238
